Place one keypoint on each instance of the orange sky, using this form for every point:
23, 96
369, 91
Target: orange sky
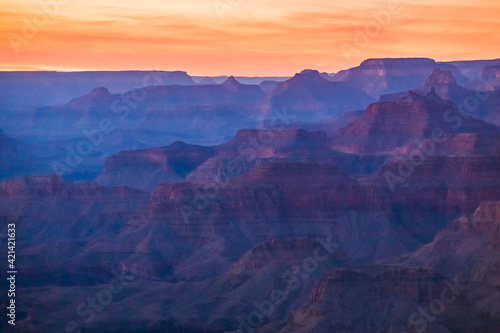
250, 37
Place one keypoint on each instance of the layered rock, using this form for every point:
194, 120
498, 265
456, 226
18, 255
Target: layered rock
466, 252
472, 68
283, 270
230, 92
146, 169
249, 147
488, 78
99, 98
445, 85
384, 76
387, 299
308, 96
476, 102
486, 219
42, 88
56, 220
261, 213
395, 126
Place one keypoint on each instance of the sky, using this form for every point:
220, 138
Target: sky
241, 37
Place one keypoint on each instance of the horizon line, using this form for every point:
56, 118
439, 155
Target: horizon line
13, 69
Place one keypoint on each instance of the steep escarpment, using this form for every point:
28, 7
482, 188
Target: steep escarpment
489, 78
308, 96
283, 270
466, 252
385, 76
225, 217
480, 102
472, 68
146, 169
486, 219
230, 92
98, 99
395, 126
473, 238
56, 220
387, 299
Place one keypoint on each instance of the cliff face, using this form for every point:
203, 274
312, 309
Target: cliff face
308, 96
57, 220
457, 271
480, 100
473, 235
59, 206
451, 171
386, 299
393, 127
489, 78
99, 99
466, 252
34, 88
385, 76
260, 143
230, 92
486, 219
472, 68
277, 199
146, 169
445, 85
285, 267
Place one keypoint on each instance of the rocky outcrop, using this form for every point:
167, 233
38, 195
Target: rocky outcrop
472, 68
308, 96
387, 299
466, 252
230, 92
486, 219
146, 169
21, 89
489, 78
481, 102
56, 220
385, 76
444, 84
286, 267
99, 98
395, 126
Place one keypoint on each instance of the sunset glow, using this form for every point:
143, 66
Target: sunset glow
207, 37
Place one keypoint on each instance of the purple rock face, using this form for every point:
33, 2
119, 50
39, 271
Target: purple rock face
385, 76
209, 208
394, 126
309, 96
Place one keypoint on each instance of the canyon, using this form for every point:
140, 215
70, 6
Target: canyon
362, 201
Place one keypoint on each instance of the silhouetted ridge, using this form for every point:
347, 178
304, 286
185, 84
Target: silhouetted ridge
440, 77
396, 62
232, 84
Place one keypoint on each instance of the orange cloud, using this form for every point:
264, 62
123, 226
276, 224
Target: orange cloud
253, 38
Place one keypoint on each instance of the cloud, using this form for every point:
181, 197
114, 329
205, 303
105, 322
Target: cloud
257, 37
